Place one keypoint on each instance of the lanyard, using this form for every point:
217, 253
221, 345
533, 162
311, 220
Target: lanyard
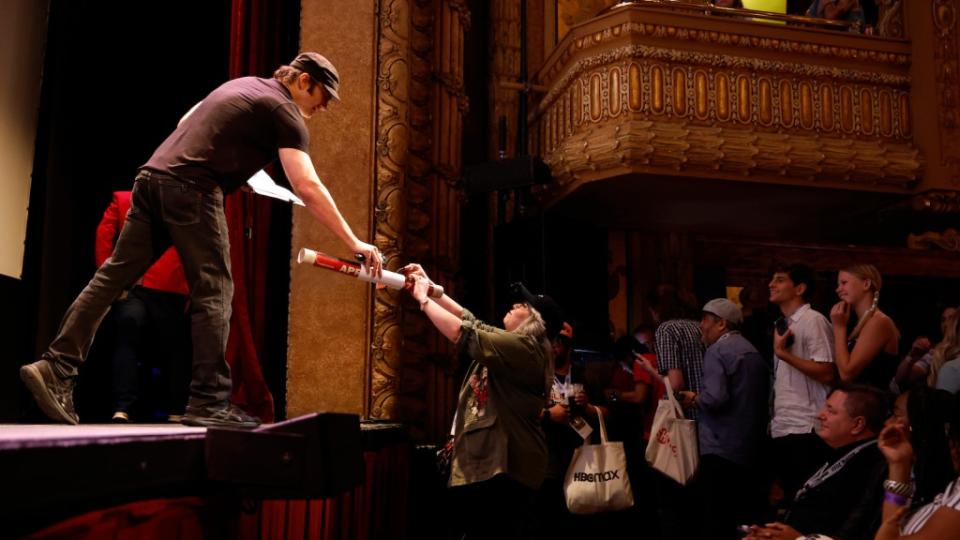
728, 334
560, 388
826, 471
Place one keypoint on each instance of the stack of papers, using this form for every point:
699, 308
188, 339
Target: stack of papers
262, 184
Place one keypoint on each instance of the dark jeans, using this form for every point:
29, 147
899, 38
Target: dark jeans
732, 494
189, 215
152, 331
675, 505
496, 509
794, 459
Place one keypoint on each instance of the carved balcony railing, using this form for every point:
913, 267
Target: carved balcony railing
649, 90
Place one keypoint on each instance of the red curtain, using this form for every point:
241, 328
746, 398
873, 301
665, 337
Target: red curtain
255, 48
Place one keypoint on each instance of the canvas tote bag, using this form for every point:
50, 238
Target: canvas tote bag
597, 479
672, 449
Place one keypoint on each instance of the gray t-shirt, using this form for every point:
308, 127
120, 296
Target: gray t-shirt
233, 133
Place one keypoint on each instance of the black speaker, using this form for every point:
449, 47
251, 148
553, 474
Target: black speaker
506, 174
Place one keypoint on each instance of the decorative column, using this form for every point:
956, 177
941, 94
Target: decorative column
399, 126
393, 140
328, 354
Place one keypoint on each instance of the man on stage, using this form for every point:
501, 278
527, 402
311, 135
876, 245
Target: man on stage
178, 198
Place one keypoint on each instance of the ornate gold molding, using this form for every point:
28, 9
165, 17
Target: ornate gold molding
621, 85
948, 240
686, 148
504, 36
420, 105
890, 19
678, 35
662, 106
650, 55
948, 83
392, 144
938, 202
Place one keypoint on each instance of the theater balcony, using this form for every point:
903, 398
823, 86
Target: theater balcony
656, 97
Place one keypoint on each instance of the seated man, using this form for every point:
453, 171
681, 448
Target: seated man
842, 499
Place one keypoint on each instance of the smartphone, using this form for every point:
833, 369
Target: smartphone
781, 327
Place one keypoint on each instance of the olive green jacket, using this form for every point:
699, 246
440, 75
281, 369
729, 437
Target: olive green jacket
497, 427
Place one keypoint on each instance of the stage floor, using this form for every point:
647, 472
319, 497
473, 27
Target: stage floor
19, 436
53, 471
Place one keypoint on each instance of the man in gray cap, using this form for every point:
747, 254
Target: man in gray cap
732, 421
238, 129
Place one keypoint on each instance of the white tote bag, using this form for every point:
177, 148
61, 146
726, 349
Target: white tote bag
597, 479
672, 449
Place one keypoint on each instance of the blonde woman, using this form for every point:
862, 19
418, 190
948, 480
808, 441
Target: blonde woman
868, 353
499, 454
945, 366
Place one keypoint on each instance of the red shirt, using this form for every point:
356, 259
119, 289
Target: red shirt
165, 275
657, 390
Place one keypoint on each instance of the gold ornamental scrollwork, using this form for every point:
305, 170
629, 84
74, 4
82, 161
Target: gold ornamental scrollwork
937, 202
890, 19
618, 30
948, 240
948, 83
657, 55
392, 143
419, 109
736, 152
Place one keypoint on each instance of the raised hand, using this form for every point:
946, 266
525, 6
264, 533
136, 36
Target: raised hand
894, 444
840, 314
780, 341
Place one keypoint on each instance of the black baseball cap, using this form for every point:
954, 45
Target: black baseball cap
318, 67
548, 308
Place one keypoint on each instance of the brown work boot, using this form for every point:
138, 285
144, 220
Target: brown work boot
53, 394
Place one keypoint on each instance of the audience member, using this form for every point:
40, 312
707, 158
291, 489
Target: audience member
842, 499
499, 448
645, 335
922, 449
679, 349
914, 369
680, 358
158, 302
758, 318
627, 397
563, 427
803, 373
838, 10
868, 354
732, 422
645, 373
915, 366
945, 357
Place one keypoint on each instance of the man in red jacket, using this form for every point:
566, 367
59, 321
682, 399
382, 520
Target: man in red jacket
159, 300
